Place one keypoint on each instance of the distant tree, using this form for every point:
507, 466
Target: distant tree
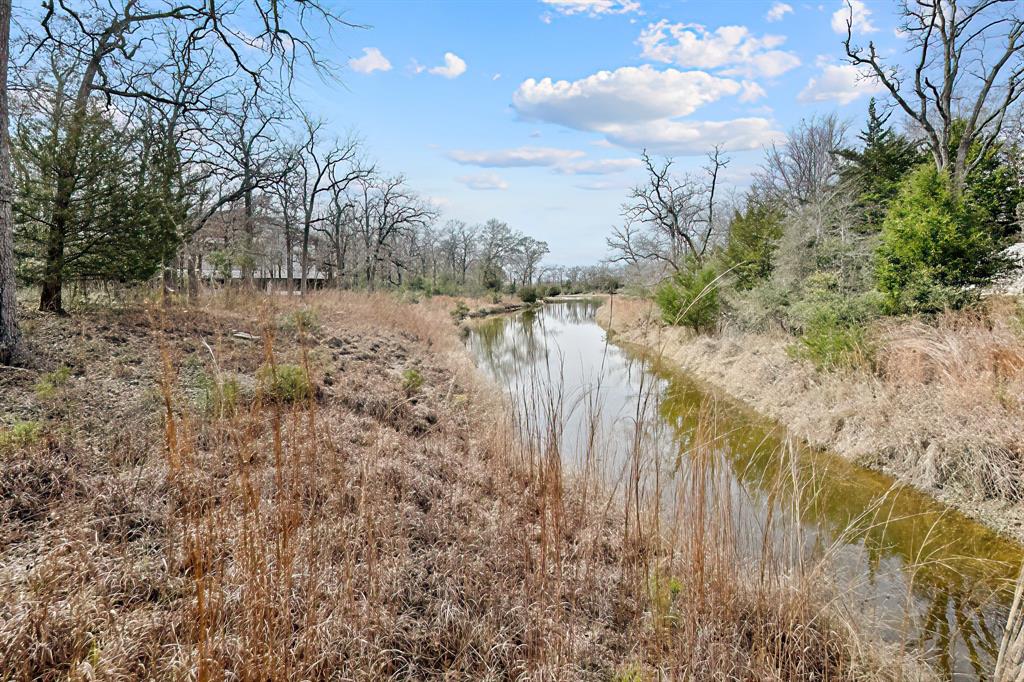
936, 248
875, 171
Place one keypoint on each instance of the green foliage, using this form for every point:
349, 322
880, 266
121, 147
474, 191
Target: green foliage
554, 290
833, 323
285, 383
49, 384
753, 238
528, 294
304, 320
935, 249
222, 398
412, 381
993, 185
690, 297
20, 434
875, 171
127, 204
460, 311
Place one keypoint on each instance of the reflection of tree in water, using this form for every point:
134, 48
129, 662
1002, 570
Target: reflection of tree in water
960, 573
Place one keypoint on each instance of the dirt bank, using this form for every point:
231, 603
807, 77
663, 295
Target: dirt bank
941, 409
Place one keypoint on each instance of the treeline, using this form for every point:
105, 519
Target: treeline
168, 145
835, 232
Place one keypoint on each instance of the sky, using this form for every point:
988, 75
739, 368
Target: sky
535, 111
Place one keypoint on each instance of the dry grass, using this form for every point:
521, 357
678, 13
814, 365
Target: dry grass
175, 522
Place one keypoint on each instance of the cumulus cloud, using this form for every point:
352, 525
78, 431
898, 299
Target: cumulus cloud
372, 60
733, 49
839, 83
695, 137
752, 92
592, 8
624, 95
483, 181
861, 18
777, 11
518, 157
453, 67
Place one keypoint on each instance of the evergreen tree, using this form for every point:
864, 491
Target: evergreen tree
753, 239
875, 171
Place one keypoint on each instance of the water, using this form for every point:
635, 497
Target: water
926, 575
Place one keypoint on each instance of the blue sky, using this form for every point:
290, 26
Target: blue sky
535, 112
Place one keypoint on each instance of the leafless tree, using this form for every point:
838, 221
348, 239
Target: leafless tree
967, 72
387, 210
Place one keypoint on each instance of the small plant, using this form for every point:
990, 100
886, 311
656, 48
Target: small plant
528, 294
460, 311
306, 320
412, 381
49, 384
21, 434
690, 298
285, 383
222, 398
831, 343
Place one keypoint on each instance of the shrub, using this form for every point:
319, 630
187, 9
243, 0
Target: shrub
286, 383
21, 434
832, 322
48, 384
528, 294
554, 290
753, 239
460, 311
412, 381
935, 251
690, 297
302, 320
832, 343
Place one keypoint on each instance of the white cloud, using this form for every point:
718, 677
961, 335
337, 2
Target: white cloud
592, 8
483, 181
626, 94
861, 18
777, 11
372, 60
730, 48
695, 137
601, 185
518, 157
496, 76
598, 166
752, 92
839, 83
453, 67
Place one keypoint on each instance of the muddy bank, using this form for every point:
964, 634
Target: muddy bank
953, 435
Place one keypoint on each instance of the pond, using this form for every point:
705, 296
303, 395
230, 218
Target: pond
922, 573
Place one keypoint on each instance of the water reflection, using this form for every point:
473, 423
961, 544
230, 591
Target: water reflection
926, 574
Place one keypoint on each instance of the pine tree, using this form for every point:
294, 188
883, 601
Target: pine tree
876, 170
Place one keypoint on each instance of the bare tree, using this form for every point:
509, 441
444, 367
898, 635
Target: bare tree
967, 72
10, 337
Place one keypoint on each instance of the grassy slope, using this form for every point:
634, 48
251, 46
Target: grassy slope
941, 409
386, 527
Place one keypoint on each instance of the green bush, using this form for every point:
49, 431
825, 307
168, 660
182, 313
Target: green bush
305, 320
21, 434
528, 294
554, 290
753, 238
286, 383
690, 297
935, 251
412, 381
832, 322
833, 343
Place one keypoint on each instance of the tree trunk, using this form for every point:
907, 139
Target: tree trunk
304, 264
10, 337
51, 295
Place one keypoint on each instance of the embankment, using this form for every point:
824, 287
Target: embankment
940, 408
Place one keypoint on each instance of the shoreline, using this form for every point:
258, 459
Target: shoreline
846, 414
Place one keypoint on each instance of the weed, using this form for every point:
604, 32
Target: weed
49, 384
20, 435
303, 320
285, 383
412, 381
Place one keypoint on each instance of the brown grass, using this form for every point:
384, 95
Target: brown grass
367, 531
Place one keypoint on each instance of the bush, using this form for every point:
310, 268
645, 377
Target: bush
20, 435
528, 294
49, 384
753, 238
554, 290
690, 297
935, 251
412, 381
832, 343
305, 320
832, 322
286, 383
